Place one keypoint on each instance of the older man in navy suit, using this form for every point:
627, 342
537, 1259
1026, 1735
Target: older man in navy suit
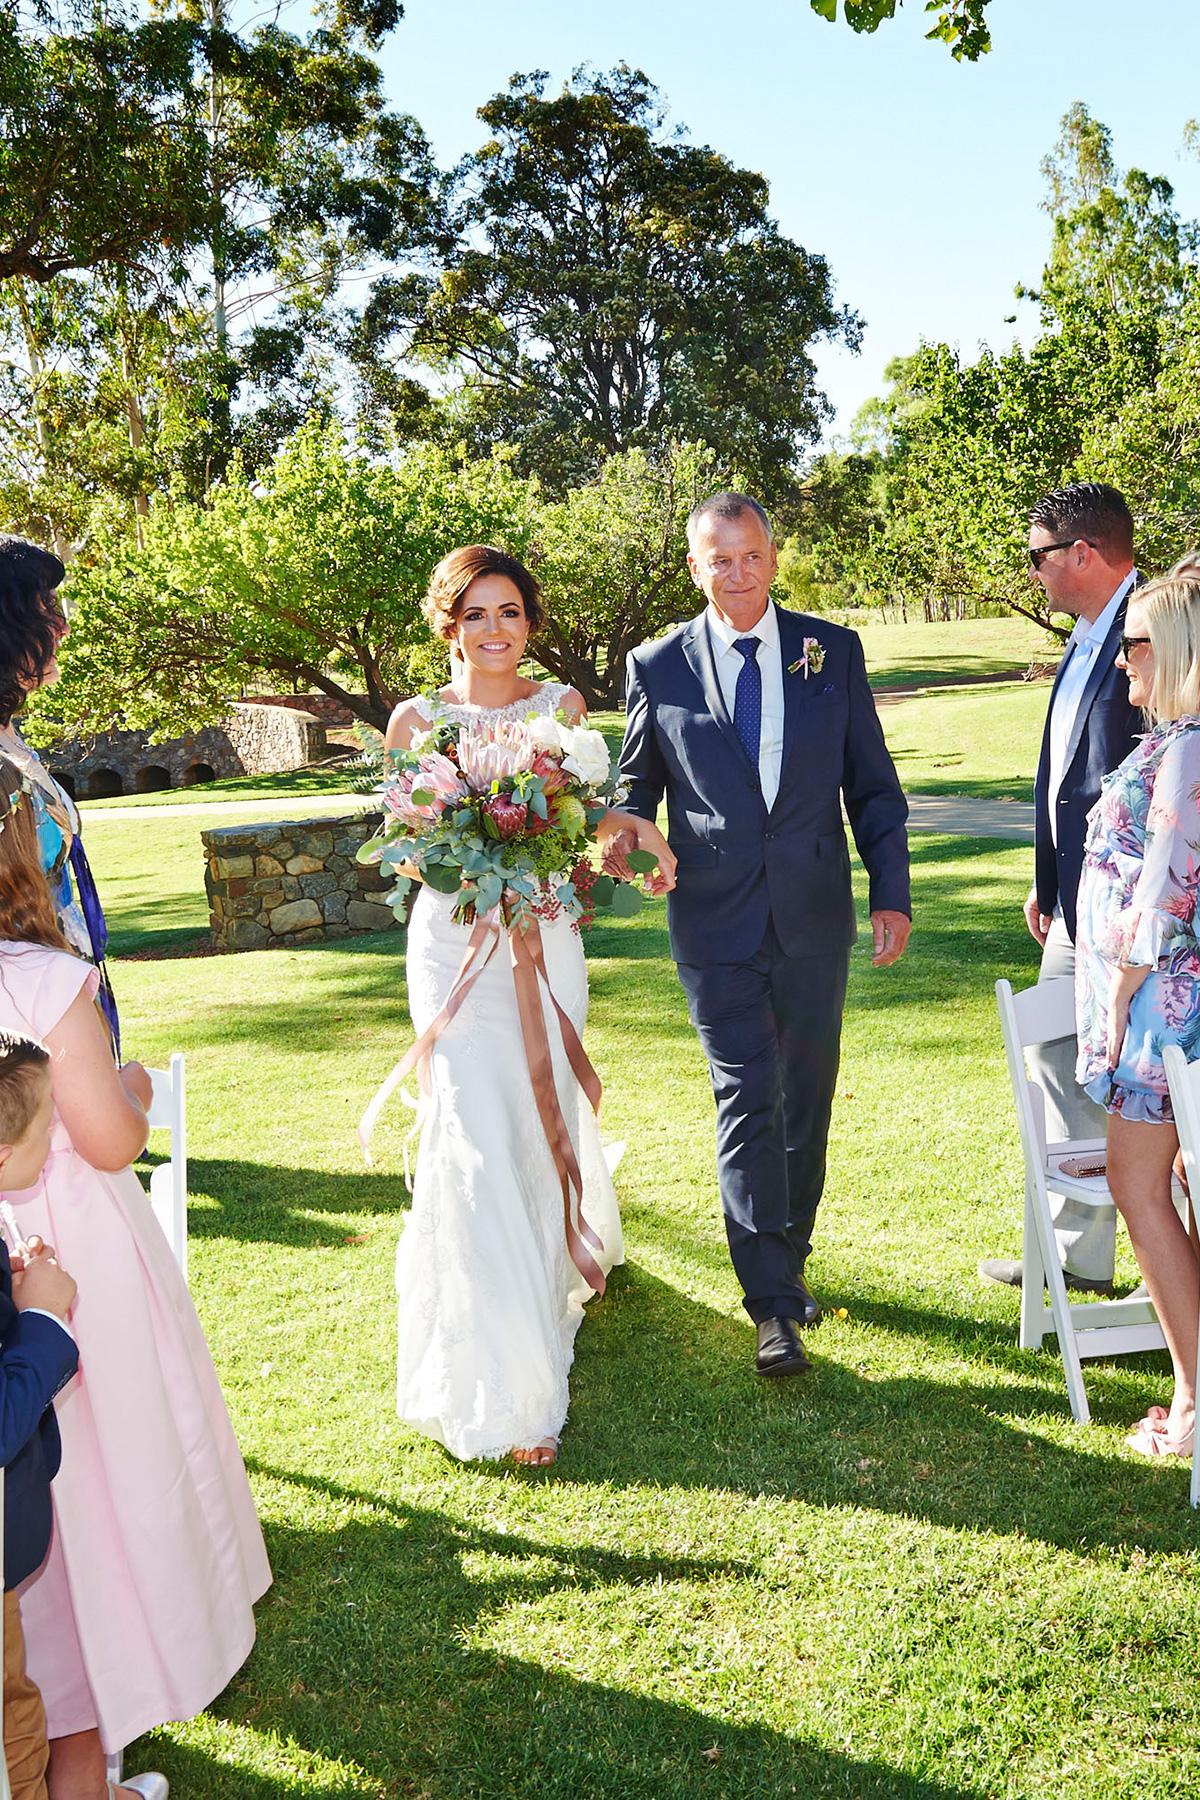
757, 723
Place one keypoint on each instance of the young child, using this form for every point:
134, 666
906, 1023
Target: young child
37, 1357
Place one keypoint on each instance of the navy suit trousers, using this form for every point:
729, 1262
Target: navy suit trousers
771, 1030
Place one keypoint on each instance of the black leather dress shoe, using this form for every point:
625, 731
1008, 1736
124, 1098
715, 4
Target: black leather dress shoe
780, 1351
812, 1308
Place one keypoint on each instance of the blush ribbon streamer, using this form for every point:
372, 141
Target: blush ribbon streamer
529, 977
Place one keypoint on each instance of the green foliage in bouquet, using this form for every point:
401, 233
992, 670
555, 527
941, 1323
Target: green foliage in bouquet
502, 816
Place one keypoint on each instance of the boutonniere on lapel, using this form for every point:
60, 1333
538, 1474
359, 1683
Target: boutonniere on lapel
813, 660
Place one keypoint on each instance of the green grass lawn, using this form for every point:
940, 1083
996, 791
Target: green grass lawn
909, 655
983, 742
305, 784
905, 1577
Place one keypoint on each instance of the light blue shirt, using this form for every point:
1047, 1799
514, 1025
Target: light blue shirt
1083, 647
770, 667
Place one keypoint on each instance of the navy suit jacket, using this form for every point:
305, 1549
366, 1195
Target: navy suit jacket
37, 1357
738, 863
1105, 731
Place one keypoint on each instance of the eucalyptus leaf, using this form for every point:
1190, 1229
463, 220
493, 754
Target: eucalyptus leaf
603, 889
443, 878
642, 861
626, 902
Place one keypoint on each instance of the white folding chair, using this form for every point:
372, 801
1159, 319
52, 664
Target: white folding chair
1183, 1079
168, 1197
1038, 1015
168, 1182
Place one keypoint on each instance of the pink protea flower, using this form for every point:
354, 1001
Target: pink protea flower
435, 775
551, 771
438, 775
488, 753
508, 815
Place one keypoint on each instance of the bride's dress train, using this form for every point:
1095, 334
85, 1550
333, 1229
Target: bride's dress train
489, 1299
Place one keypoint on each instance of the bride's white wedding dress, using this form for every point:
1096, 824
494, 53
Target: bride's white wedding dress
489, 1299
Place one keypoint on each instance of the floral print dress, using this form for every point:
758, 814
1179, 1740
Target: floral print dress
1137, 904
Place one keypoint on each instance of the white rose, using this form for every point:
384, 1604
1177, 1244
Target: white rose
545, 733
586, 756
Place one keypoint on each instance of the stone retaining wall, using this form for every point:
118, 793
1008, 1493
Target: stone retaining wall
321, 706
253, 740
294, 881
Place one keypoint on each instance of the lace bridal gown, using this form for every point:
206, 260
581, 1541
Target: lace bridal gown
489, 1299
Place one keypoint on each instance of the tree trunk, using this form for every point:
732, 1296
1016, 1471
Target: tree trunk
137, 437
222, 411
45, 437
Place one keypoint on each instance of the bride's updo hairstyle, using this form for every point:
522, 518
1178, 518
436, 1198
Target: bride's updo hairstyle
454, 574
1172, 609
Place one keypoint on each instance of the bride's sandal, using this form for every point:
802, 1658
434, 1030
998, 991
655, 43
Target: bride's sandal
536, 1456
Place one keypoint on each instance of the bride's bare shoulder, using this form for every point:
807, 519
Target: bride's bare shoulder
572, 703
408, 717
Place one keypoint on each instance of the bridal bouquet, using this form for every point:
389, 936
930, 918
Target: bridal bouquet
501, 815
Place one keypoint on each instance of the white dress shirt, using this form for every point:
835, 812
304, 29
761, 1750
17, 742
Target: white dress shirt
1083, 647
730, 664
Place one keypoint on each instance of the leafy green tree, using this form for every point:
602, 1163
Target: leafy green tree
171, 352
968, 448
612, 560
1118, 242
962, 24
611, 289
102, 146
314, 577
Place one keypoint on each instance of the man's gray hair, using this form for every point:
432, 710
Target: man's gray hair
728, 504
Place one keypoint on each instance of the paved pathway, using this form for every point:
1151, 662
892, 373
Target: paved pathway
971, 818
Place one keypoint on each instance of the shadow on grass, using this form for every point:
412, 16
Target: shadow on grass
1004, 787
365, 1658
956, 1453
970, 671
316, 778
258, 1203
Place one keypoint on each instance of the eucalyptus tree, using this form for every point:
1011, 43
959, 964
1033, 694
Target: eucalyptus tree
1103, 392
613, 287
207, 322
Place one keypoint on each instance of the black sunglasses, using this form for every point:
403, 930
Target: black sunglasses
1127, 644
1037, 556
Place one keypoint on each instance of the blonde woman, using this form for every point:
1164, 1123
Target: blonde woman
1137, 976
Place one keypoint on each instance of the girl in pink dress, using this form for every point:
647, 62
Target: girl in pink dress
142, 1611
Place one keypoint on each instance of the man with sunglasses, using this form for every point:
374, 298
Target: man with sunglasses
1081, 555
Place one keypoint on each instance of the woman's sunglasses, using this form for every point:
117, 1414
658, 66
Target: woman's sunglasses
1127, 644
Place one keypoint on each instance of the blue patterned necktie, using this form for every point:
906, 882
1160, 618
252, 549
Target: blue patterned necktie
747, 698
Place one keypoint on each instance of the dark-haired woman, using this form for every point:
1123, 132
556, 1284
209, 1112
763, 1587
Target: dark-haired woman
32, 626
490, 1300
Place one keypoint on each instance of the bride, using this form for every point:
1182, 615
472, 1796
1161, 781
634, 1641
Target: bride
489, 1299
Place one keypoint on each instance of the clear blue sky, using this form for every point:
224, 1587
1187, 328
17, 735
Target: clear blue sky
916, 176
